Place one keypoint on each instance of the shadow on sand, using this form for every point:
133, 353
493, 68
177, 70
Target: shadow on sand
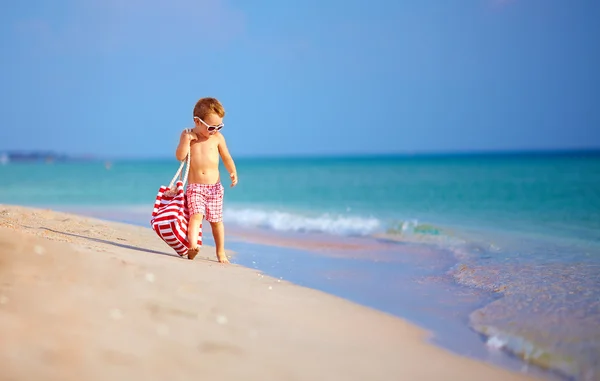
121, 245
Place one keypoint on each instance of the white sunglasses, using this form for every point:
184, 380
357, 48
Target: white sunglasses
211, 128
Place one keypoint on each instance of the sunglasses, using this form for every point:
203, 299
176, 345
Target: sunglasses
211, 128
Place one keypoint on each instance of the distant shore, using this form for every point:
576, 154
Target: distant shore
40, 157
84, 298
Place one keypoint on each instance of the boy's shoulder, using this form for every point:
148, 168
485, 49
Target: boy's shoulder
220, 137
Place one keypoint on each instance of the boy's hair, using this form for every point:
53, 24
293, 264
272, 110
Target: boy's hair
207, 106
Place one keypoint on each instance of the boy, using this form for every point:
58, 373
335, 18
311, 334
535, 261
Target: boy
204, 192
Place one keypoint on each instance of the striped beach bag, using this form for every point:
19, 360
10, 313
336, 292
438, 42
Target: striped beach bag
170, 215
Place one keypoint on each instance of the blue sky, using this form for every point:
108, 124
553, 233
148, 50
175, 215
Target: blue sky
120, 78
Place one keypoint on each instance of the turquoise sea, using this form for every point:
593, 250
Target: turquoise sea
498, 254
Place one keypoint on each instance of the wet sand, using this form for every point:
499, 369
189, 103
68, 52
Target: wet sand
82, 298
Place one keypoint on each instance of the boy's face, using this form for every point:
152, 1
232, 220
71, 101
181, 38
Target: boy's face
210, 125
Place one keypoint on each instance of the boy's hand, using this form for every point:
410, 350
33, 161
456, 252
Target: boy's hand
189, 136
192, 136
234, 179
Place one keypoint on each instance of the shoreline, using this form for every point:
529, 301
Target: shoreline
474, 342
357, 343
452, 330
448, 327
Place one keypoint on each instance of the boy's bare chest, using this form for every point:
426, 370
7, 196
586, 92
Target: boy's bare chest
205, 149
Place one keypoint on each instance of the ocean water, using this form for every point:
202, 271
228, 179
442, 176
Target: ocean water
502, 250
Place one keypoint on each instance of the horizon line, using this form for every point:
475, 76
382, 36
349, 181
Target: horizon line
404, 154
411, 154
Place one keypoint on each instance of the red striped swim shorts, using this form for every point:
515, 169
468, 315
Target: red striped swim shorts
206, 199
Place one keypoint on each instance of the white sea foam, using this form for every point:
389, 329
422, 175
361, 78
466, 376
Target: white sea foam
495, 342
286, 221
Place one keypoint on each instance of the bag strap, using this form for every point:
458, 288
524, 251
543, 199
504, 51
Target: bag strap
187, 170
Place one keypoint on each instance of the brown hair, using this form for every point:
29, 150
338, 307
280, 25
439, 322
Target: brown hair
207, 106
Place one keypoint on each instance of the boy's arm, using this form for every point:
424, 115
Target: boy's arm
227, 160
184, 144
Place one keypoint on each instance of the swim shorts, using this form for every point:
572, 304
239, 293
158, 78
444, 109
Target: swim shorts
206, 199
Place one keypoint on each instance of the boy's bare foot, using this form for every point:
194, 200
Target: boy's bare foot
222, 258
191, 254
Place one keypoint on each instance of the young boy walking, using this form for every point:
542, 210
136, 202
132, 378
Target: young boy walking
204, 193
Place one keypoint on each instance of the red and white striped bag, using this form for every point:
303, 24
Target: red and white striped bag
170, 215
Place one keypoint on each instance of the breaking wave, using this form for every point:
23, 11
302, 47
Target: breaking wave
287, 221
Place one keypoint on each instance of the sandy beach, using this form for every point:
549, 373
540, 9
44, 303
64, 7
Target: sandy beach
82, 298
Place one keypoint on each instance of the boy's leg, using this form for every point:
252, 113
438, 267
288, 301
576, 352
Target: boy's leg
214, 215
196, 207
218, 232
193, 228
